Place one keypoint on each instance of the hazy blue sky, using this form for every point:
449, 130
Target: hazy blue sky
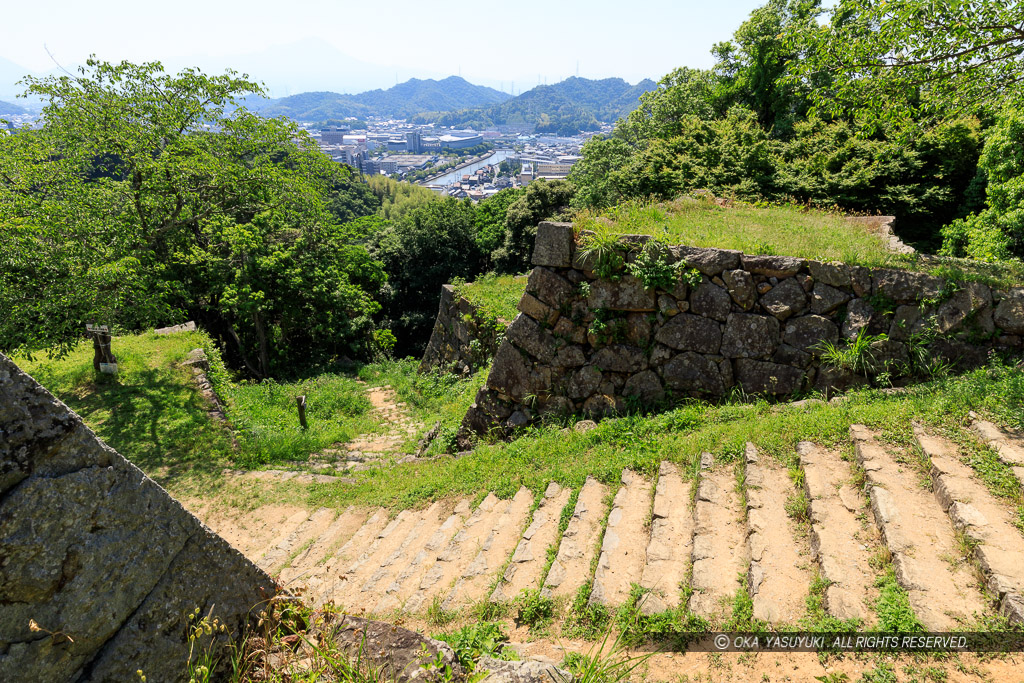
492, 41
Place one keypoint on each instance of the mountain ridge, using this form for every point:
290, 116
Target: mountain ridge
565, 108
403, 100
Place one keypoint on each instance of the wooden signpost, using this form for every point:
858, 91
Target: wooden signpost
103, 359
300, 401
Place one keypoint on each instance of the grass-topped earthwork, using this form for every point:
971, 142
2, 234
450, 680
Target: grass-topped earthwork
784, 230
151, 412
495, 295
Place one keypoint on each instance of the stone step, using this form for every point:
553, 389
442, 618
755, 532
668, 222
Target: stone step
571, 568
407, 580
779, 578
530, 557
374, 573
843, 535
624, 548
1008, 444
310, 560
998, 544
277, 557
450, 559
719, 554
475, 582
251, 533
324, 584
919, 537
671, 543
286, 529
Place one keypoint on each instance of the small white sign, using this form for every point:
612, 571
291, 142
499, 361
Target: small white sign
89, 327
108, 368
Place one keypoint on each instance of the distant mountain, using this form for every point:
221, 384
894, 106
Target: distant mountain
565, 108
10, 74
400, 101
8, 109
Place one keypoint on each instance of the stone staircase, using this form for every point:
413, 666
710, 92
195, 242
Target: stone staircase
705, 536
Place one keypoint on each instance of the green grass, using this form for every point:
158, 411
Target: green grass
495, 295
785, 230
546, 453
150, 412
266, 416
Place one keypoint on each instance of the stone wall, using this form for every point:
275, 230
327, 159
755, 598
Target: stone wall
584, 344
99, 556
463, 339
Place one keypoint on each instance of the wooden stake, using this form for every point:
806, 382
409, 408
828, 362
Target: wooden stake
300, 401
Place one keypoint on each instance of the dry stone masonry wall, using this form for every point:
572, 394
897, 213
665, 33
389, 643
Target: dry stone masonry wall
464, 339
592, 345
99, 556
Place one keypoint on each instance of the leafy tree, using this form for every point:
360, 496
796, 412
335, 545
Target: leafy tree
922, 182
997, 232
912, 63
141, 200
490, 219
750, 67
542, 200
351, 197
424, 250
681, 94
398, 198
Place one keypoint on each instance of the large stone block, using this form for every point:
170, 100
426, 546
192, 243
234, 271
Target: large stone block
773, 266
554, 245
1009, 313
688, 332
748, 335
832, 274
537, 309
710, 262
758, 377
741, 288
584, 382
514, 376
809, 332
861, 315
645, 386
826, 298
971, 303
711, 301
785, 300
527, 334
94, 548
549, 287
692, 374
905, 286
620, 358
628, 294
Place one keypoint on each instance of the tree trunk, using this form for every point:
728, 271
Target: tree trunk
261, 336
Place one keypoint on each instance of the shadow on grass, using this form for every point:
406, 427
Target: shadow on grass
156, 419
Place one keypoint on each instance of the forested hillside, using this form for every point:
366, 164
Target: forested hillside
566, 108
876, 108
401, 101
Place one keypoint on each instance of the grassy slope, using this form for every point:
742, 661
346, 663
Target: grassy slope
785, 230
495, 295
152, 414
680, 435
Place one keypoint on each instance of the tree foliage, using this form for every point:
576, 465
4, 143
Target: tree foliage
142, 201
912, 63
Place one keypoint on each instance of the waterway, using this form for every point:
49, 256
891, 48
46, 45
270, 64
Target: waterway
455, 175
